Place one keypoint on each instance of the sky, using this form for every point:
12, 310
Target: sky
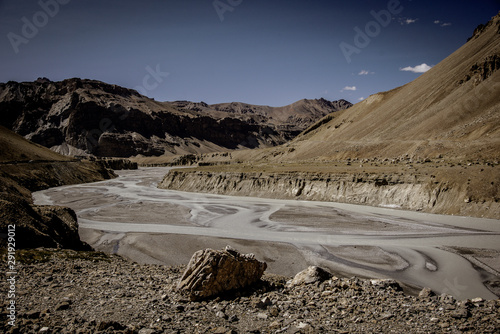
266, 52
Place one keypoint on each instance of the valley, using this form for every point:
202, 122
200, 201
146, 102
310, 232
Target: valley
131, 217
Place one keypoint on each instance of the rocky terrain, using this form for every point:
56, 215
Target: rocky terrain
61, 291
26, 167
82, 117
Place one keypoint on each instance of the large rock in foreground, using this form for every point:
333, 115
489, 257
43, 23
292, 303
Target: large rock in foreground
211, 272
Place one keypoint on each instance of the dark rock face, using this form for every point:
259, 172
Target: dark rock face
484, 69
211, 272
40, 226
43, 226
96, 118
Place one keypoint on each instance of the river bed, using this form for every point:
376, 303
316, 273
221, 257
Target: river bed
130, 216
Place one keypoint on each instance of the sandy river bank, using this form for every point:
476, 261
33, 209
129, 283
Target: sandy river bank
130, 216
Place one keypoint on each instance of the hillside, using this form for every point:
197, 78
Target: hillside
26, 167
82, 117
434, 141
452, 110
15, 148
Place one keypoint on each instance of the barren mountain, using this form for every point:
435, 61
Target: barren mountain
80, 117
291, 119
432, 144
452, 110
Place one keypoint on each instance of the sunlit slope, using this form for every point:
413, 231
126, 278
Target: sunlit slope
14, 148
451, 110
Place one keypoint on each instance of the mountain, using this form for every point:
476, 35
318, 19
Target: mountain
431, 145
81, 117
291, 119
453, 111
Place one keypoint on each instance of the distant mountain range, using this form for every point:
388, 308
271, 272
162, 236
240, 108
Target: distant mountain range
87, 117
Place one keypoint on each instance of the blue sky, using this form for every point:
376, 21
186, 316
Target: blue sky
269, 52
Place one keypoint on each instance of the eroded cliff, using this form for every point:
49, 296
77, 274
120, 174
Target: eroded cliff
418, 191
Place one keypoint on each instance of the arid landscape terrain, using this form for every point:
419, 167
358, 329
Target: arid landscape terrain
396, 197
436, 137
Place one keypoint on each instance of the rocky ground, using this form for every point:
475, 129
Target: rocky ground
88, 292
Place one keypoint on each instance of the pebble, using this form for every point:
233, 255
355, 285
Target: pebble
114, 295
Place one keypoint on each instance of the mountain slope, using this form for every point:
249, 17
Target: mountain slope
453, 109
26, 167
80, 117
431, 145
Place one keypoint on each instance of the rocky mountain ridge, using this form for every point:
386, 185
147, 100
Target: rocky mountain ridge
82, 117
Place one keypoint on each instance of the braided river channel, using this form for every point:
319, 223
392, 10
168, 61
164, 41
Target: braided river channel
131, 217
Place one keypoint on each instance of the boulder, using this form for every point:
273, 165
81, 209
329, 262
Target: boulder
310, 275
426, 293
212, 272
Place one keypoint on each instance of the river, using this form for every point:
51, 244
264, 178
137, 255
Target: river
130, 216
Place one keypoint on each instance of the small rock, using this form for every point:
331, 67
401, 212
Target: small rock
460, 313
262, 316
446, 299
274, 311
444, 325
267, 301
63, 306
233, 318
147, 331
44, 330
310, 275
477, 300
385, 316
221, 314
425, 293
385, 283
223, 330
33, 314
103, 325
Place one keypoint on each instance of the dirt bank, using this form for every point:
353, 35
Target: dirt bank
435, 187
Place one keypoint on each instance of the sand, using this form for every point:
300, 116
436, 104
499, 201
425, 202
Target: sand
129, 216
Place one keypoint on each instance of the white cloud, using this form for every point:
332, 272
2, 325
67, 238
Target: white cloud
406, 20
442, 24
361, 98
365, 72
417, 69
352, 88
